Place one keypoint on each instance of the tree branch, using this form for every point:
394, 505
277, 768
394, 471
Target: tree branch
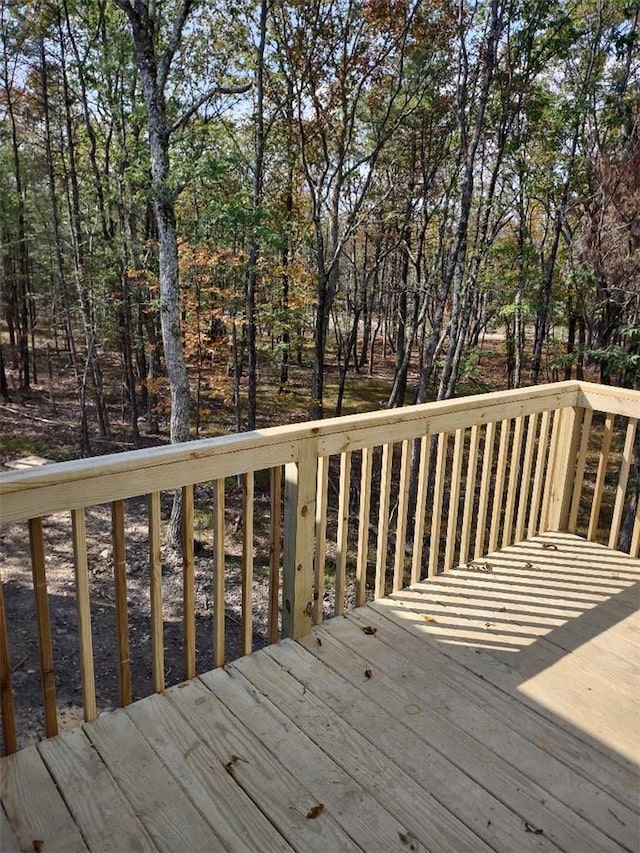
217, 90
172, 45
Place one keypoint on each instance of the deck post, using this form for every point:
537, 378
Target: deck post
298, 551
562, 463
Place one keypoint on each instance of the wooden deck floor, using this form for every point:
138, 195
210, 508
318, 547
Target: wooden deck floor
493, 709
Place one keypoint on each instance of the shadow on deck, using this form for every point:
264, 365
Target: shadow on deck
493, 709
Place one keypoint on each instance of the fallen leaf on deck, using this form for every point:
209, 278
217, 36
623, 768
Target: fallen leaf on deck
369, 630
408, 839
528, 565
314, 811
503, 610
229, 766
367, 673
530, 828
488, 624
318, 641
429, 618
550, 546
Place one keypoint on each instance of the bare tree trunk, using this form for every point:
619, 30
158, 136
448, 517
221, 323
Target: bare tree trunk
153, 75
254, 248
59, 252
73, 199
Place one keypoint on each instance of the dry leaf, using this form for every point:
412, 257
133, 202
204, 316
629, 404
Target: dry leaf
488, 624
314, 811
429, 618
369, 630
229, 766
367, 673
528, 565
318, 641
530, 828
408, 839
549, 546
503, 609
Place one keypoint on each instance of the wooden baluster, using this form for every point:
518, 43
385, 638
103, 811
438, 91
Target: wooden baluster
218, 574
45, 648
401, 524
363, 525
383, 521
319, 561
421, 508
536, 490
498, 488
275, 552
634, 550
600, 478
470, 494
525, 480
155, 587
512, 487
485, 482
120, 586
550, 471
9, 736
438, 494
188, 583
343, 530
580, 465
247, 562
79, 535
454, 500
621, 491
299, 545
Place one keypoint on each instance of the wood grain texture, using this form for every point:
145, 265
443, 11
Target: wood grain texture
438, 497
248, 497
275, 552
9, 733
320, 555
122, 607
155, 592
363, 525
83, 608
156, 798
45, 648
188, 583
598, 491
34, 806
100, 810
342, 535
382, 543
218, 574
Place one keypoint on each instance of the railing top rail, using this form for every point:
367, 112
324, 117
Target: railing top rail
86, 482
609, 398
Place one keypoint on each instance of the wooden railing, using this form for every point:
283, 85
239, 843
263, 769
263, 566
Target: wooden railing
370, 503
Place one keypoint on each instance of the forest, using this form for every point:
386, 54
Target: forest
199, 201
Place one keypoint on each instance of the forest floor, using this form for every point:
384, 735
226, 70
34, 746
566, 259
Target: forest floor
43, 422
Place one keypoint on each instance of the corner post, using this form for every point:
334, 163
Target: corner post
564, 458
299, 541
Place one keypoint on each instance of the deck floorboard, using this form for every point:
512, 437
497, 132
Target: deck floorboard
495, 707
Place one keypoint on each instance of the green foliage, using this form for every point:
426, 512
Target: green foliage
622, 359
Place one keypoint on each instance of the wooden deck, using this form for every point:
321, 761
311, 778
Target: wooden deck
489, 709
